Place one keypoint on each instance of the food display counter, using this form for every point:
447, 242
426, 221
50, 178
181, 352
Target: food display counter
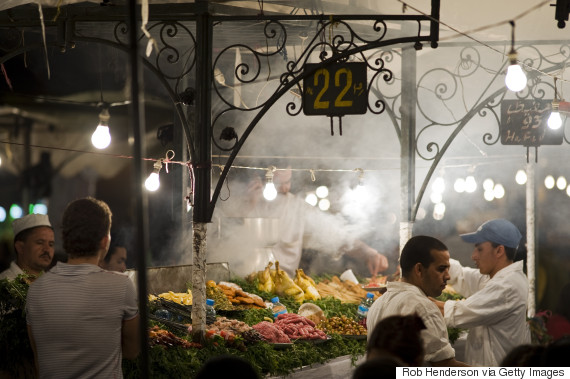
310, 352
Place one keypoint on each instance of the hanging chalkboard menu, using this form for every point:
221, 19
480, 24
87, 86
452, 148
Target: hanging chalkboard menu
523, 122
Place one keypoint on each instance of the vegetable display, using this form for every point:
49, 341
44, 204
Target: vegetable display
163, 337
235, 332
184, 298
450, 294
342, 325
17, 355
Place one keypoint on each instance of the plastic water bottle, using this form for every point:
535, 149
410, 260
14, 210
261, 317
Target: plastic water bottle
210, 312
163, 314
277, 307
365, 305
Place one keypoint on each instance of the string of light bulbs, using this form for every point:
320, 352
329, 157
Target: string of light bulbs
465, 34
152, 183
516, 79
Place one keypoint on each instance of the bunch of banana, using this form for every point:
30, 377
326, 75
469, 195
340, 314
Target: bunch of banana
285, 286
184, 298
307, 284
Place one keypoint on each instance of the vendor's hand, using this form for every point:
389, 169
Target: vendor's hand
377, 263
440, 305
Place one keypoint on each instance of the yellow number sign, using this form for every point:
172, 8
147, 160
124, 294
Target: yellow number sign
335, 90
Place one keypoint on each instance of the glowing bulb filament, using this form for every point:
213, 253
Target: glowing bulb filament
554, 121
101, 138
516, 78
270, 192
152, 182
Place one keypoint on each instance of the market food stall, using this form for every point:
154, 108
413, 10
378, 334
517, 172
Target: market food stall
326, 339
217, 78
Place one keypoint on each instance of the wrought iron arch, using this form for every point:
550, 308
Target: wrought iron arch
154, 69
485, 103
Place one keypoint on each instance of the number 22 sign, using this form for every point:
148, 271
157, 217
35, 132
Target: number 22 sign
335, 90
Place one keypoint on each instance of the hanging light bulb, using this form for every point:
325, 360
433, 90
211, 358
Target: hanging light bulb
269, 192
561, 183
101, 138
555, 121
322, 192
470, 184
16, 211
549, 182
516, 78
152, 182
488, 184
438, 185
324, 204
499, 191
459, 185
521, 177
311, 199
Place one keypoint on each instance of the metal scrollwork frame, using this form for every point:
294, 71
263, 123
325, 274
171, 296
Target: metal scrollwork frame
488, 103
335, 38
162, 63
343, 43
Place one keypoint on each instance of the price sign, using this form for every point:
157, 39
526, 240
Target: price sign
523, 122
335, 90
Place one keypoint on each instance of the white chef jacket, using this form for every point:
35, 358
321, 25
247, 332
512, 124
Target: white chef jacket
11, 272
494, 311
403, 298
328, 233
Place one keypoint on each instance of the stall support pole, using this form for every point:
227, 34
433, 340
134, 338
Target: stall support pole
530, 237
202, 166
408, 144
26, 125
137, 125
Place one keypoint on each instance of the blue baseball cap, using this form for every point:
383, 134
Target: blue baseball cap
499, 231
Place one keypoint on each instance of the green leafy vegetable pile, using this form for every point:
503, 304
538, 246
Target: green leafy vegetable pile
15, 350
453, 333
176, 362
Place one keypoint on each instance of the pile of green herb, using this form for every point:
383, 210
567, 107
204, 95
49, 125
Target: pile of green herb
176, 362
453, 333
15, 350
266, 360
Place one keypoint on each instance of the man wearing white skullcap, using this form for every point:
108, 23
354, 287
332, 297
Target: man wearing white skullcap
34, 242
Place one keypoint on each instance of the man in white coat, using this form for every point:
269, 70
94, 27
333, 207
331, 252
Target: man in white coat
496, 292
34, 244
296, 219
425, 271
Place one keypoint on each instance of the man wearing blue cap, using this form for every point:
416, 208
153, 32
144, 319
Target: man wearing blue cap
496, 304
